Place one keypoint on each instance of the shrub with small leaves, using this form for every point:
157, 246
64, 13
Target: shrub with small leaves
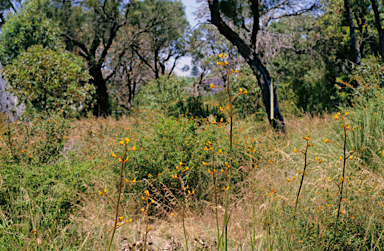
48, 81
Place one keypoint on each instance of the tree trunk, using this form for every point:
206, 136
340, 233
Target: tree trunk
355, 46
101, 107
252, 59
264, 81
379, 28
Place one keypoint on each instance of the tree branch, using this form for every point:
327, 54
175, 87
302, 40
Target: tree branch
297, 13
79, 44
134, 48
256, 21
12, 6
174, 65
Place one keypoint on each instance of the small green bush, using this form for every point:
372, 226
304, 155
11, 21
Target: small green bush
48, 81
193, 107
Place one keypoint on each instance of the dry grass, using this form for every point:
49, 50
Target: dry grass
256, 213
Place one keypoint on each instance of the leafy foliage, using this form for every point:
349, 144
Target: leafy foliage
25, 29
193, 107
308, 80
48, 81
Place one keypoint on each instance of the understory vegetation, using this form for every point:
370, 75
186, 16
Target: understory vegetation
284, 193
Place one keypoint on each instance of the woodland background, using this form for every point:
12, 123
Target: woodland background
79, 76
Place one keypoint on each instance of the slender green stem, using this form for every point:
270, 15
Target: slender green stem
342, 179
341, 187
230, 161
253, 241
185, 231
298, 192
146, 227
216, 203
118, 199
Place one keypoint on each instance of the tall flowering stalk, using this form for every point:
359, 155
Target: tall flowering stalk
119, 220
209, 148
347, 156
303, 173
229, 109
180, 170
148, 201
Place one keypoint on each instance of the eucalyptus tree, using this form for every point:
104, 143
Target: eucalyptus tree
205, 44
245, 24
355, 47
376, 8
163, 43
90, 29
130, 76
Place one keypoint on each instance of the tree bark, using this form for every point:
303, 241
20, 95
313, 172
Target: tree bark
101, 107
379, 28
355, 46
252, 59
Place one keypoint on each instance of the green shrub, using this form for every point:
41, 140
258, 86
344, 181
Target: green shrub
25, 29
161, 93
193, 107
48, 81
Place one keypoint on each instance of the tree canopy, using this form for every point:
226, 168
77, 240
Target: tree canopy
304, 47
